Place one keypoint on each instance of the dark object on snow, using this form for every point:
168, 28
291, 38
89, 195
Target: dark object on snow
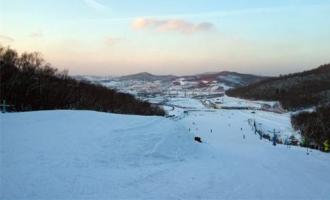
198, 139
266, 136
274, 139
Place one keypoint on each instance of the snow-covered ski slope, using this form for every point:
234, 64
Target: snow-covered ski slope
91, 155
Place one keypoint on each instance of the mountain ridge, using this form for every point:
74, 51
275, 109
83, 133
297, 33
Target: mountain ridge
233, 79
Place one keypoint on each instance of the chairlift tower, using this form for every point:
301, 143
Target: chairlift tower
274, 135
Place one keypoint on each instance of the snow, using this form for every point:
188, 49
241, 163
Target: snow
268, 121
225, 87
186, 103
93, 155
44, 156
236, 102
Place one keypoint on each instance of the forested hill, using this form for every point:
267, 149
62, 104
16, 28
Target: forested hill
294, 91
29, 83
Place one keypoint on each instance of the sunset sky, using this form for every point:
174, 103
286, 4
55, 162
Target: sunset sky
116, 37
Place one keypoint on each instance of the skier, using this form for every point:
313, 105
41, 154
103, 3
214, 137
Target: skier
255, 127
286, 142
274, 139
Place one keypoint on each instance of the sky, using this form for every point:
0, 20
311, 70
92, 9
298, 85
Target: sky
108, 37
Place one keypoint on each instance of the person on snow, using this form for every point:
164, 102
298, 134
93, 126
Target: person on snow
274, 139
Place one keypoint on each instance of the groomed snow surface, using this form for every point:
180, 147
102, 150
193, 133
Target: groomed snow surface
92, 155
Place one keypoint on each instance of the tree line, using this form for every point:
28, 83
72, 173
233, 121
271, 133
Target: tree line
314, 127
29, 83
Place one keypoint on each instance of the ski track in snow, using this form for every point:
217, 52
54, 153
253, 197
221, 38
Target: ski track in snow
91, 155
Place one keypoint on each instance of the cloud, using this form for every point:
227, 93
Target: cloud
95, 5
177, 25
4, 38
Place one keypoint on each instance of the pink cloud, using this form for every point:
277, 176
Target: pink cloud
177, 25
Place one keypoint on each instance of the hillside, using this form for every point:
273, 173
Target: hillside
29, 83
232, 79
293, 91
94, 155
314, 126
